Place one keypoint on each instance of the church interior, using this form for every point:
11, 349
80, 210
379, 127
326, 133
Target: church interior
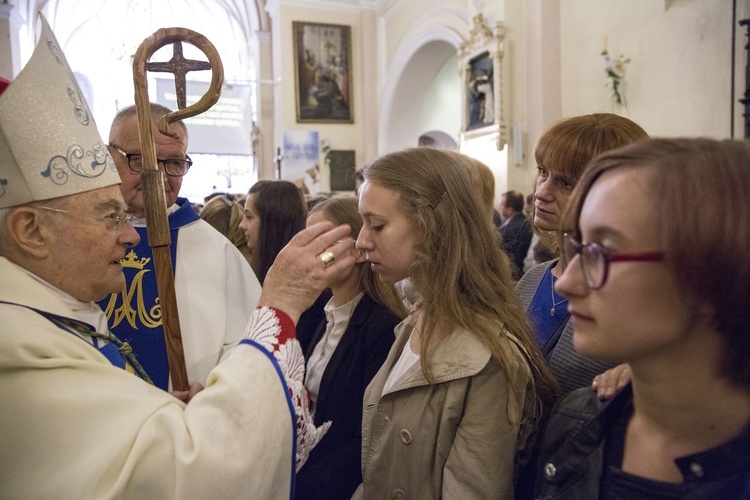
314, 89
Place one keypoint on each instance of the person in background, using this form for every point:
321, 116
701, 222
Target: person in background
274, 212
515, 230
562, 154
215, 287
311, 201
347, 348
452, 410
80, 417
225, 215
672, 303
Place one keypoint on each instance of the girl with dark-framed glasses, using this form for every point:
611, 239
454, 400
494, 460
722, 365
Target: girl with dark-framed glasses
658, 277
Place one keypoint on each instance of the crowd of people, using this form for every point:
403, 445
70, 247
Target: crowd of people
617, 368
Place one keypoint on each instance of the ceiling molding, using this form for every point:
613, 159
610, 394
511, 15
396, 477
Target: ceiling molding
335, 5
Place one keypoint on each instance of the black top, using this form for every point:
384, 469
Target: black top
333, 469
582, 454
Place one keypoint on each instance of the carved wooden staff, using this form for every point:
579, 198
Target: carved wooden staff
152, 179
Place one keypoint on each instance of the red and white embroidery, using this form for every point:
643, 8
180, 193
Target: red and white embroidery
275, 331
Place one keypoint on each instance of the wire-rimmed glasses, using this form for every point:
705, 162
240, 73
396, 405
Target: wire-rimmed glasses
114, 222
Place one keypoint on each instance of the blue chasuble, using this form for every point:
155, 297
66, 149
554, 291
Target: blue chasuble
134, 314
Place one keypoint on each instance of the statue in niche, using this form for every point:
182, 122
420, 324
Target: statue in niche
480, 93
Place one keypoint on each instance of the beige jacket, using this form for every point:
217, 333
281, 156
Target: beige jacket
452, 439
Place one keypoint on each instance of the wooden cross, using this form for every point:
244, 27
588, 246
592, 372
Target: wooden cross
179, 67
152, 179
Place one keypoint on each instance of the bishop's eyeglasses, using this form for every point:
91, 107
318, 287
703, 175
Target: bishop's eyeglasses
595, 259
174, 167
114, 221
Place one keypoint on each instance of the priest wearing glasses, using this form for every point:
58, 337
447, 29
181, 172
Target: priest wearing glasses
215, 287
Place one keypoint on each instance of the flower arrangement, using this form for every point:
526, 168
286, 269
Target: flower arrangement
615, 71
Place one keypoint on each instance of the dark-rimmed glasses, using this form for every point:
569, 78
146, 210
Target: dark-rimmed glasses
114, 222
173, 167
595, 259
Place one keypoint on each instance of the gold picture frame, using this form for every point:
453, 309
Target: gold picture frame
322, 72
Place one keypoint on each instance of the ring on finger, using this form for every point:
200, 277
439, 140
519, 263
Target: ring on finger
327, 257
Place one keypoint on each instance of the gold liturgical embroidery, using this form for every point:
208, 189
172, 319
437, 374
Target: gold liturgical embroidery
149, 317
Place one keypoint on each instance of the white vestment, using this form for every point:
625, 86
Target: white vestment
217, 291
74, 426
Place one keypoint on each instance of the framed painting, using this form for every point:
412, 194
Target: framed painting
322, 72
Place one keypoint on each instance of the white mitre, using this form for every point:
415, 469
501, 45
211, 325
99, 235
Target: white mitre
49, 144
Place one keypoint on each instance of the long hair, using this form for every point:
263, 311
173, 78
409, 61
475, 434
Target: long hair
459, 268
699, 189
343, 210
569, 145
225, 215
282, 212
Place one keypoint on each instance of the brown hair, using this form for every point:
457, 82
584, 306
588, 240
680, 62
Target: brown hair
459, 269
699, 186
282, 211
514, 200
569, 145
343, 210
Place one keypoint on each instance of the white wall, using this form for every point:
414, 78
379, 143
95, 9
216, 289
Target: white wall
441, 105
678, 80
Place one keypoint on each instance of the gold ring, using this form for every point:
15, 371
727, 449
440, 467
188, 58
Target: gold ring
327, 257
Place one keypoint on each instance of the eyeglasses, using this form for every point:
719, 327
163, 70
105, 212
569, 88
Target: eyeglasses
173, 167
114, 222
595, 259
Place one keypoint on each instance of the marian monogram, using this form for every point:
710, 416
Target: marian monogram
134, 307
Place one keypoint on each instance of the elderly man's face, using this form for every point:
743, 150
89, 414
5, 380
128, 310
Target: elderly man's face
124, 134
84, 251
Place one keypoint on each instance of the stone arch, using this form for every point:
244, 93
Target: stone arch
432, 41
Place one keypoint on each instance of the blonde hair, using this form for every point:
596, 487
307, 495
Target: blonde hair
483, 180
343, 210
225, 215
459, 269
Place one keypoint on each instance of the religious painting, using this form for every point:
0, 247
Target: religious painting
322, 69
480, 93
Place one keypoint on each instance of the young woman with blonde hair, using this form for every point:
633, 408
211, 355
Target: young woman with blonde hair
451, 411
